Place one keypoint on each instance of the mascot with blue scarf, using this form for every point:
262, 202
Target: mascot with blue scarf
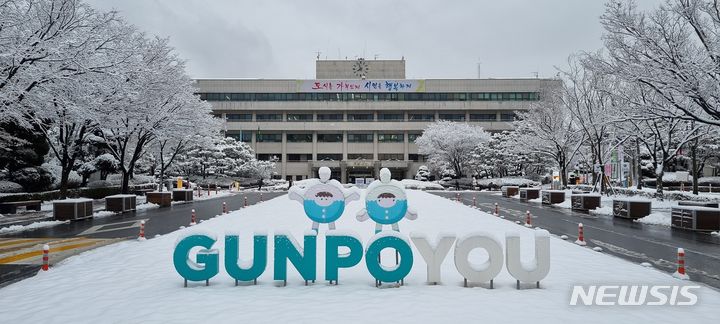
386, 203
323, 199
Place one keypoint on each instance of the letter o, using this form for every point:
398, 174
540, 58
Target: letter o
373, 252
488, 269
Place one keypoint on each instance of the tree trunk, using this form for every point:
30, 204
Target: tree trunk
64, 175
638, 166
659, 181
125, 182
694, 168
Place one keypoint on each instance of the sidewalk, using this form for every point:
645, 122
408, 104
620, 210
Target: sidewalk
26, 217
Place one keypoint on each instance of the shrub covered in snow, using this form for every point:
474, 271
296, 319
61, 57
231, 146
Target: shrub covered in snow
99, 184
497, 183
10, 187
138, 179
421, 185
706, 181
34, 179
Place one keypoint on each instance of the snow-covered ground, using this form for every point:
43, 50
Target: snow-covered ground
421, 185
36, 225
136, 282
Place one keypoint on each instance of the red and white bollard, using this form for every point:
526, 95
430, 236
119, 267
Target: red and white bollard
245, 203
141, 237
216, 188
192, 218
46, 257
497, 210
474, 202
224, 208
528, 219
680, 273
261, 197
208, 190
581, 236
457, 197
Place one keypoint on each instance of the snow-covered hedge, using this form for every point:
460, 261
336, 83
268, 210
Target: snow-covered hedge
10, 187
706, 181
33, 179
99, 184
497, 183
138, 179
421, 185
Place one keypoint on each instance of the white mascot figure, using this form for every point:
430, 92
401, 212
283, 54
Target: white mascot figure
323, 199
386, 203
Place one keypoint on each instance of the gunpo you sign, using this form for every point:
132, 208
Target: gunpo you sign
324, 202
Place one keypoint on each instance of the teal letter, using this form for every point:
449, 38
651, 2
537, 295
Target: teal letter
232, 258
373, 264
192, 270
286, 249
333, 261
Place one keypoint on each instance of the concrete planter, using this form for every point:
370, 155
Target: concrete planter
182, 195
120, 203
696, 218
164, 199
550, 197
73, 209
632, 209
529, 193
509, 191
585, 202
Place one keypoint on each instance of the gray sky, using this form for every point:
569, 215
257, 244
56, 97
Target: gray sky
439, 39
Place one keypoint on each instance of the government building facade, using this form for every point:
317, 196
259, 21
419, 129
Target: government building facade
358, 116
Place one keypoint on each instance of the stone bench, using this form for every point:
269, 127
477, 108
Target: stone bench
120, 203
509, 191
529, 193
550, 197
182, 195
73, 209
164, 198
585, 201
695, 218
11, 206
631, 208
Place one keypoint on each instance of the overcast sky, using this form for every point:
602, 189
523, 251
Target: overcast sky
439, 39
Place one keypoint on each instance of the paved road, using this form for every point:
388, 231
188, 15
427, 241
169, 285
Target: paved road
19, 252
629, 240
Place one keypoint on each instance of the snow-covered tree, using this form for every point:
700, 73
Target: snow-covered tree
452, 143
673, 50
547, 128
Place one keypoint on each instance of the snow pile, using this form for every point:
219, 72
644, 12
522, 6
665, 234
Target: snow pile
657, 218
36, 225
421, 185
136, 282
499, 182
103, 213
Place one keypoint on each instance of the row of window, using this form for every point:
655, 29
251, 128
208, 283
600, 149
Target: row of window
369, 117
305, 157
414, 96
324, 138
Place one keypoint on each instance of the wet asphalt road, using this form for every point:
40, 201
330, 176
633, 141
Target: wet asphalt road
126, 225
624, 238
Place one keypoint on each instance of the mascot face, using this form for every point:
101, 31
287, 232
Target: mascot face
386, 204
324, 203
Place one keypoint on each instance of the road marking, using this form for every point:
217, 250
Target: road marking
98, 228
12, 242
37, 252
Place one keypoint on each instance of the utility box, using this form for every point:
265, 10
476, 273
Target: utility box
696, 218
120, 203
164, 198
550, 197
182, 195
631, 208
73, 209
584, 202
529, 193
509, 191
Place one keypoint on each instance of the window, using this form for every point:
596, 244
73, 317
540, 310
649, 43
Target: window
240, 136
329, 157
238, 117
329, 138
453, 117
507, 116
360, 138
360, 117
391, 156
299, 138
483, 117
356, 96
329, 117
246, 137
391, 117
390, 138
270, 157
360, 156
413, 137
217, 115
299, 157
417, 157
269, 138
421, 117
260, 117
299, 117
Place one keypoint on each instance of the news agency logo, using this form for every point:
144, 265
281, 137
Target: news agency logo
634, 295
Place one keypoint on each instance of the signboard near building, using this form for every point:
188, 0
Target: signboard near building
360, 86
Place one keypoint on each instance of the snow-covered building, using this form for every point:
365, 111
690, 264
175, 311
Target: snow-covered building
358, 115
